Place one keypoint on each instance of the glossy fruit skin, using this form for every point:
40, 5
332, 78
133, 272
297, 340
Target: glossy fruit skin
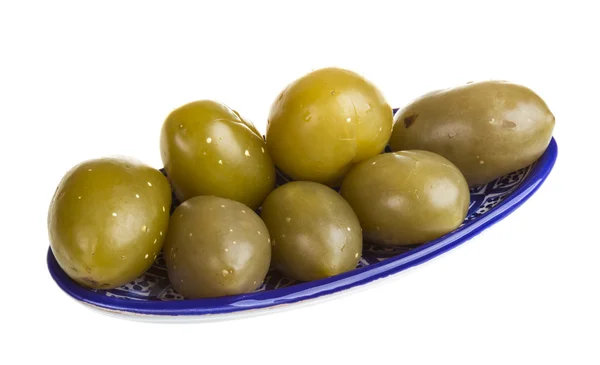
406, 198
207, 148
314, 232
324, 122
216, 247
107, 220
487, 129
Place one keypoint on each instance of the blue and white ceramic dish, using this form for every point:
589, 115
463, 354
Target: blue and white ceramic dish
151, 294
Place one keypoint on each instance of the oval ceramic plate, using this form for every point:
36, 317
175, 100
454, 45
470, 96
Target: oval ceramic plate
152, 294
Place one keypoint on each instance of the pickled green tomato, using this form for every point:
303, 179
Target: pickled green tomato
216, 247
208, 149
324, 122
314, 232
406, 198
487, 129
107, 221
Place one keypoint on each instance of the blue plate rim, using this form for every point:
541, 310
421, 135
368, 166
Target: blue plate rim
314, 289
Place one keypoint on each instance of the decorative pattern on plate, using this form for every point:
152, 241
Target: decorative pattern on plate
154, 284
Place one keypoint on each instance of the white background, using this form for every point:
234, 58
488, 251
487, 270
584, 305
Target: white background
80, 80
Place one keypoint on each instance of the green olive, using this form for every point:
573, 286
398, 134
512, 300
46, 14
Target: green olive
487, 129
216, 247
406, 198
107, 221
324, 122
209, 149
314, 232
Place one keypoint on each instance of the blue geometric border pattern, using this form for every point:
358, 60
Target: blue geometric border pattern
152, 293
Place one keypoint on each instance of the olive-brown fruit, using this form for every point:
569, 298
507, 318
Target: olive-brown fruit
487, 129
314, 232
107, 221
216, 247
406, 198
324, 122
207, 148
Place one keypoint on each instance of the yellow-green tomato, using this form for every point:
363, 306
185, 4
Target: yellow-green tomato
487, 129
406, 198
107, 221
207, 148
314, 232
324, 122
216, 247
